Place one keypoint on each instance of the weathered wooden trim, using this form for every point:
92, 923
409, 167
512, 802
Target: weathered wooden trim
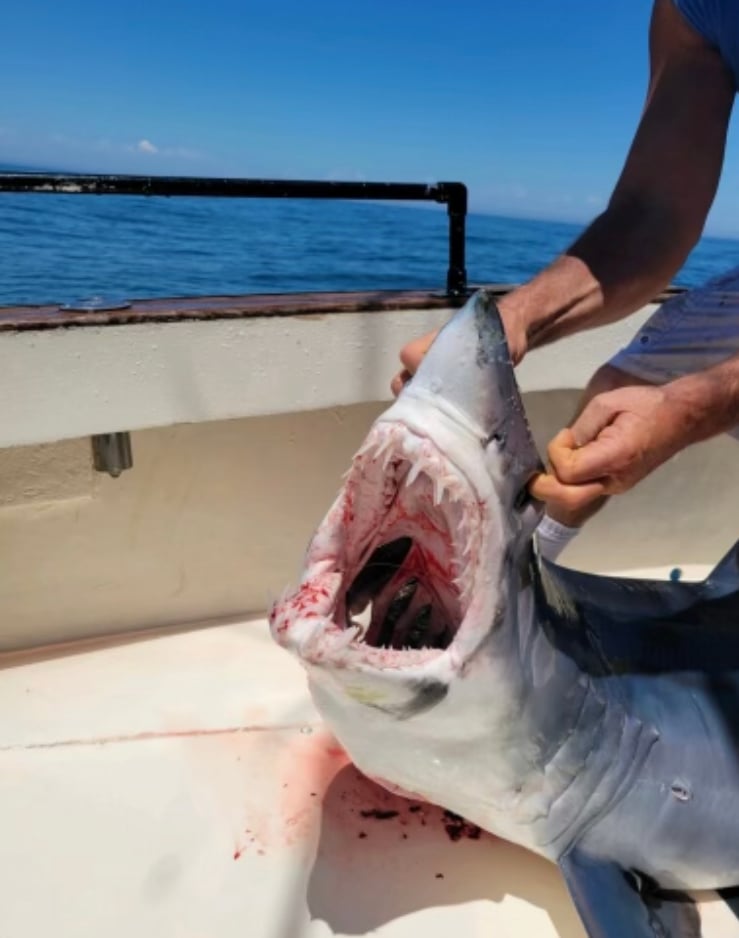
179, 309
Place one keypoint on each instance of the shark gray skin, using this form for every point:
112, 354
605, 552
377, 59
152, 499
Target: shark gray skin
591, 719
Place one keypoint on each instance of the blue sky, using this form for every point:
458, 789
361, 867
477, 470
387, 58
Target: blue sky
532, 103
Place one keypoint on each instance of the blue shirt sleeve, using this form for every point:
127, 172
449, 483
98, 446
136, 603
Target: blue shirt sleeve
703, 16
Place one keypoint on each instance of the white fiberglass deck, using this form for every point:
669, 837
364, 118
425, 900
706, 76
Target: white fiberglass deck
182, 785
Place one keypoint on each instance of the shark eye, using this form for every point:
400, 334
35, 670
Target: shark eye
498, 437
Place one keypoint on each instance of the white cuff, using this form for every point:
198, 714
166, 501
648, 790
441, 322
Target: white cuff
552, 537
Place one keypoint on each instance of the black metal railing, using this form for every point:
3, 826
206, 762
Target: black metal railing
451, 194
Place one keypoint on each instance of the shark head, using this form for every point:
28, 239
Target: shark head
409, 586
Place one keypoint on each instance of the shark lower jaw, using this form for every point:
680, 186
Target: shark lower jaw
391, 571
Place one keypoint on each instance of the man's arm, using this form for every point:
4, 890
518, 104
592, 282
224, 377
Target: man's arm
654, 218
621, 436
660, 202
656, 212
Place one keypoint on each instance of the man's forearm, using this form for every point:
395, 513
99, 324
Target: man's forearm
622, 261
659, 204
624, 434
708, 401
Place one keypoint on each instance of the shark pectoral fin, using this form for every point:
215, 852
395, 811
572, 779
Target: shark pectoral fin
610, 906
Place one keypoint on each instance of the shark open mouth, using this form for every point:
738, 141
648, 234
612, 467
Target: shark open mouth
410, 537
391, 570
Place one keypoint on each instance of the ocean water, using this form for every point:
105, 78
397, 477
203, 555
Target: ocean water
59, 248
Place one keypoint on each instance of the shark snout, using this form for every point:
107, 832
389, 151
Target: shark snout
468, 372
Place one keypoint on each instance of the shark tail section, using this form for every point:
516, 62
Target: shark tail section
613, 904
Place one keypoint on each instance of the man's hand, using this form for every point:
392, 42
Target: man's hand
620, 437
569, 504
411, 356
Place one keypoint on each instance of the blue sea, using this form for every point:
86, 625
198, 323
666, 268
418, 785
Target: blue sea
61, 248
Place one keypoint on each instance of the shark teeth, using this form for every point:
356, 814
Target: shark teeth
438, 490
455, 489
342, 639
413, 473
358, 628
368, 445
384, 449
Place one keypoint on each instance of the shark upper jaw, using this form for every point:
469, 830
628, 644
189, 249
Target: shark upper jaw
420, 499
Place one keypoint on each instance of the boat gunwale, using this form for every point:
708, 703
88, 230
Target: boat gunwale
243, 306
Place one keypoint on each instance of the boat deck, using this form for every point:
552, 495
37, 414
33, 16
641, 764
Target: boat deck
181, 784
186, 779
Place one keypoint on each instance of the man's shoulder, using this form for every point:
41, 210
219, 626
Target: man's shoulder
702, 16
713, 25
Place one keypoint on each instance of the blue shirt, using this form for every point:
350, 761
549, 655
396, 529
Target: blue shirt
717, 21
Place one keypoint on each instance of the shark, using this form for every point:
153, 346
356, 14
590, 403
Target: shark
593, 720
